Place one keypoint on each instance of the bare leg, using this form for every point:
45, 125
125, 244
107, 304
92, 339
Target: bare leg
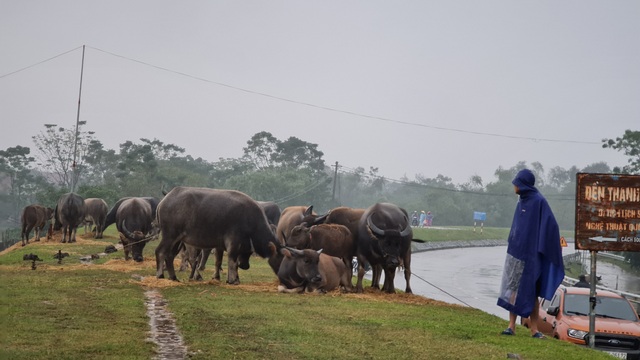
512, 321
535, 314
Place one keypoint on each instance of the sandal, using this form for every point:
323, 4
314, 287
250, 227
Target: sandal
538, 335
508, 331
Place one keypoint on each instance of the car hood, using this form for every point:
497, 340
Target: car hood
604, 325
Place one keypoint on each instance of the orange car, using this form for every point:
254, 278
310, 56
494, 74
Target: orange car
566, 317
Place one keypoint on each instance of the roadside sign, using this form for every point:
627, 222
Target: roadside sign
563, 241
607, 212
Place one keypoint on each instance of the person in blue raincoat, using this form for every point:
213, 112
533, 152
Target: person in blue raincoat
533, 266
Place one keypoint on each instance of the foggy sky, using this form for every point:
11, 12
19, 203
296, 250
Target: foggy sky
414, 87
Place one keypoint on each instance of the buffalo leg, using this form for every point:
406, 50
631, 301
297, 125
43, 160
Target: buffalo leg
26, 230
376, 273
72, 234
232, 275
407, 273
361, 272
389, 275
218, 263
166, 252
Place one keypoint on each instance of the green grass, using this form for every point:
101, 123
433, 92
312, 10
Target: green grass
74, 311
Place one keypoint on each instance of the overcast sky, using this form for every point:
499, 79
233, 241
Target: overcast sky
457, 88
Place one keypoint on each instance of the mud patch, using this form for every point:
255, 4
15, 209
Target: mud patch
163, 332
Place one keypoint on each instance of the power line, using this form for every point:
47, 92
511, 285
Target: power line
38, 63
326, 108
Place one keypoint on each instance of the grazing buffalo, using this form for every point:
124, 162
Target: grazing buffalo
95, 215
212, 219
34, 217
333, 239
294, 215
69, 214
312, 271
384, 241
135, 223
111, 215
271, 210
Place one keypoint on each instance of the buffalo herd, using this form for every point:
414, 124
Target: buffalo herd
308, 252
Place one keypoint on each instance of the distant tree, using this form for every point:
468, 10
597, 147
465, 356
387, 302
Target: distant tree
598, 167
99, 165
265, 151
15, 164
629, 143
261, 150
62, 152
295, 153
138, 170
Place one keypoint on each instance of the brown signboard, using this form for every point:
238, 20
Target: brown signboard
607, 212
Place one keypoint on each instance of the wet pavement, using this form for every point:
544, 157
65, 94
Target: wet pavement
163, 331
471, 276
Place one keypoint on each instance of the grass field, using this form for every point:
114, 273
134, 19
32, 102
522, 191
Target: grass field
80, 311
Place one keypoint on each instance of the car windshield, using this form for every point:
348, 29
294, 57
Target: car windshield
605, 307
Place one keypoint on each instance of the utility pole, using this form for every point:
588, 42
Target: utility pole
335, 180
74, 166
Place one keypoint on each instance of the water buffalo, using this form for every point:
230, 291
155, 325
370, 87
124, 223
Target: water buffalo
135, 223
211, 219
34, 217
111, 215
271, 210
95, 215
294, 215
312, 271
384, 241
333, 239
69, 214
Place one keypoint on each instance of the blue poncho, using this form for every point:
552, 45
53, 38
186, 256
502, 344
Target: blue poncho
533, 267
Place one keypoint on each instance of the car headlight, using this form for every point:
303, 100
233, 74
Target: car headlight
577, 334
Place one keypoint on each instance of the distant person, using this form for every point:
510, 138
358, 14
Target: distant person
533, 267
423, 217
429, 219
414, 219
582, 282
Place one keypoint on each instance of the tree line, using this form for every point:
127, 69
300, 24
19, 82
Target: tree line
289, 172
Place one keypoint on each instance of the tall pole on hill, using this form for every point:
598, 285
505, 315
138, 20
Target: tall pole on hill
335, 179
74, 165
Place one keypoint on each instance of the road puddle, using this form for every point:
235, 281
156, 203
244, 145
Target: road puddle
164, 332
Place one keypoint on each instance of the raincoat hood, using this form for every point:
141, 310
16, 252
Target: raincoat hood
525, 180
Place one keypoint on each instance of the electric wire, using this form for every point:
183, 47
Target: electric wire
326, 108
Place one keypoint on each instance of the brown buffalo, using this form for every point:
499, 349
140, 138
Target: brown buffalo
34, 217
95, 215
312, 271
294, 215
332, 239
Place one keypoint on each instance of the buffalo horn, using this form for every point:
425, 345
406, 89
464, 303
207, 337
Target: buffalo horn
376, 230
126, 232
407, 230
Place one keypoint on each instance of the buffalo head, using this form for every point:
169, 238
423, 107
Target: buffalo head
306, 263
135, 241
391, 243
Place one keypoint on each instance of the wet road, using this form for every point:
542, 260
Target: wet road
471, 276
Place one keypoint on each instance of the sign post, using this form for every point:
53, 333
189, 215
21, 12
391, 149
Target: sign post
607, 219
479, 217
